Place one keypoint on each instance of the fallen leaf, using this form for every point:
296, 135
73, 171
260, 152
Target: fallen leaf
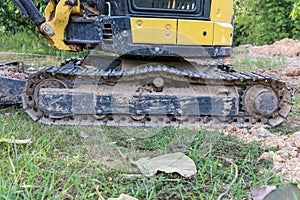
11, 141
169, 163
123, 197
287, 192
84, 135
259, 193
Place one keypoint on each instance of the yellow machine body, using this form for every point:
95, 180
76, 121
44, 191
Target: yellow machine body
217, 31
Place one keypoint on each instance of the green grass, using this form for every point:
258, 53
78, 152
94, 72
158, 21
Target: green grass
59, 164
31, 42
251, 64
32, 49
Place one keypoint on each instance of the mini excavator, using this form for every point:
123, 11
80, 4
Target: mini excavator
152, 63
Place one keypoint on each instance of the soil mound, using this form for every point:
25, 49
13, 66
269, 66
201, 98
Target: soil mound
285, 47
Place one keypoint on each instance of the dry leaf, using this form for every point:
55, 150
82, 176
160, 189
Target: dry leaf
11, 141
84, 135
169, 163
259, 193
287, 192
123, 197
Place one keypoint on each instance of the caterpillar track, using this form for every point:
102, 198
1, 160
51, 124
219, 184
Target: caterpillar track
155, 94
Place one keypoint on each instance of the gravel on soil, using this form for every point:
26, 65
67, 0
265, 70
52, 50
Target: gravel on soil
12, 72
286, 157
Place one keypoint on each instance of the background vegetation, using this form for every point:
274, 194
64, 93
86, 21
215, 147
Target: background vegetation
11, 19
261, 22
257, 22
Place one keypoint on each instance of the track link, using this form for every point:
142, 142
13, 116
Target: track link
252, 90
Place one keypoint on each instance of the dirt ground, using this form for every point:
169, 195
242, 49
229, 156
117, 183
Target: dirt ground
286, 139
285, 47
286, 156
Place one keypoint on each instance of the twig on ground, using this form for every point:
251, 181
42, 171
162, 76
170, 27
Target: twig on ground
234, 179
99, 194
122, 155
12, 141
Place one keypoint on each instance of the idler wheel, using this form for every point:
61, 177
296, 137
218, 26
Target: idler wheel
47, 83
260, 101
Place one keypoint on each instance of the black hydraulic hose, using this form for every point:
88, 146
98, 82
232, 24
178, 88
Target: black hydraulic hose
28, 8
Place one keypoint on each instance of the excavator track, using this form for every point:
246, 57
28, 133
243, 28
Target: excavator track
154, 95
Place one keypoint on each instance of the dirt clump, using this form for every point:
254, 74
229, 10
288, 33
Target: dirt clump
12, 72
285, 47
286, 157
293, 72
